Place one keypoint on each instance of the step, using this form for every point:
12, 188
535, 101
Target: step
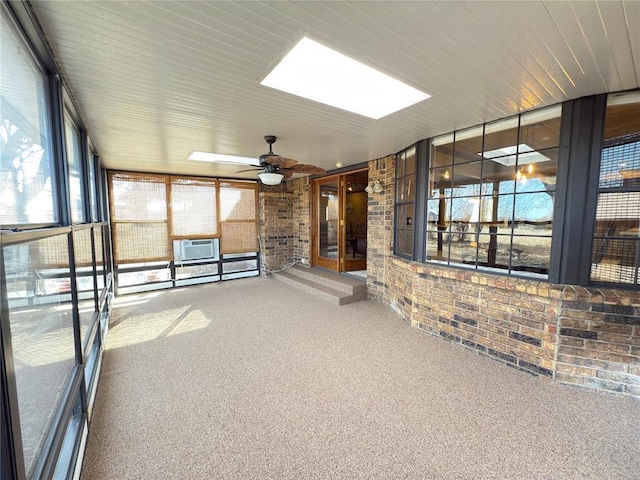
339, 290
329, 278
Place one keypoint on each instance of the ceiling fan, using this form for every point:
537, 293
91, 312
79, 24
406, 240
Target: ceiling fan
276, 168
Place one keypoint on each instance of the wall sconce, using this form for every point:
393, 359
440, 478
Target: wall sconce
374, 187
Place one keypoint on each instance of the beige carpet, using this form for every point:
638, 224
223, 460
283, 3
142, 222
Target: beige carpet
249, 379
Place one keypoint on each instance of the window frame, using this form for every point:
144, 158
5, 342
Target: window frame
481, 134
400, 177
74, 398
611, 100
50, 85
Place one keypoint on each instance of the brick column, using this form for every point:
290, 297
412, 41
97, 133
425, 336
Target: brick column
284, 224
380, 225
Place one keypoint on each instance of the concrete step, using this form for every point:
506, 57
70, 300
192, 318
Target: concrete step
336, 288
329, 278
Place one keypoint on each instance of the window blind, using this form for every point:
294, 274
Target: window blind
193, 207
149, 211
139, 217
238, 219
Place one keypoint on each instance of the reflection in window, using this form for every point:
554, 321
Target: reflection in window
328, 215
74, 160
26, 194
40, 319
491, 194
93, 191
83, 255
101, 271
614, 255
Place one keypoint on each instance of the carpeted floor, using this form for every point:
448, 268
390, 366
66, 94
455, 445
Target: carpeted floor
249, 379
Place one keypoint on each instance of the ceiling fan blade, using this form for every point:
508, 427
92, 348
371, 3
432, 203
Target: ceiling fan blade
308, 169
254, 169
287, 172
281, 162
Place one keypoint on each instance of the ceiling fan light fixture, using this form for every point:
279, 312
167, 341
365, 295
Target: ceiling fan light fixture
270, 178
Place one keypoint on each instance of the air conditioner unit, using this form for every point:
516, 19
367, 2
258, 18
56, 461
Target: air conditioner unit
188, 250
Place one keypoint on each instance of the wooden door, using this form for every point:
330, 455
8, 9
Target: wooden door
328, 212
340, 222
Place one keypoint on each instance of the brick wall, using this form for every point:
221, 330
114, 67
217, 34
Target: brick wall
380, 226
301, 214
284, 223
275, 226
599, 339
585, 337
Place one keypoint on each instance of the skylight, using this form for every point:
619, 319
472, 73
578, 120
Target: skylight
220, 158
507, 155
315, 72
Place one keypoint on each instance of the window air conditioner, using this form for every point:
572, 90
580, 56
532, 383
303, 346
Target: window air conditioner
187, 250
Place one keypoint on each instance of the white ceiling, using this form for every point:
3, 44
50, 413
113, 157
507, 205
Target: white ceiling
156, 79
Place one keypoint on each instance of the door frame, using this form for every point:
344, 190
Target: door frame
341, 263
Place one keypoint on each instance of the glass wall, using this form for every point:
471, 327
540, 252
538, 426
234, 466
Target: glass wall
615, 252
55, 290
491, 194
38, 279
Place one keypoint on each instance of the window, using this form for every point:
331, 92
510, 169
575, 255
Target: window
405, 196
238, 217
614, 255
491, 194
85, 281
93, 185
26, 183
139, 217
155, 216
74, 161
193, 207
41, 327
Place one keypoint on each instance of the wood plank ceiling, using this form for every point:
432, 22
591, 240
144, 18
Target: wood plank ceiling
155, 80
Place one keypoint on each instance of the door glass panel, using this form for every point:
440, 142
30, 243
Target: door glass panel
328, 218
356, 217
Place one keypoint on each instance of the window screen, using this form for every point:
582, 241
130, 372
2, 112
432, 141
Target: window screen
614, 255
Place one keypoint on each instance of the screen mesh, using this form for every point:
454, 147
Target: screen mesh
614, 255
